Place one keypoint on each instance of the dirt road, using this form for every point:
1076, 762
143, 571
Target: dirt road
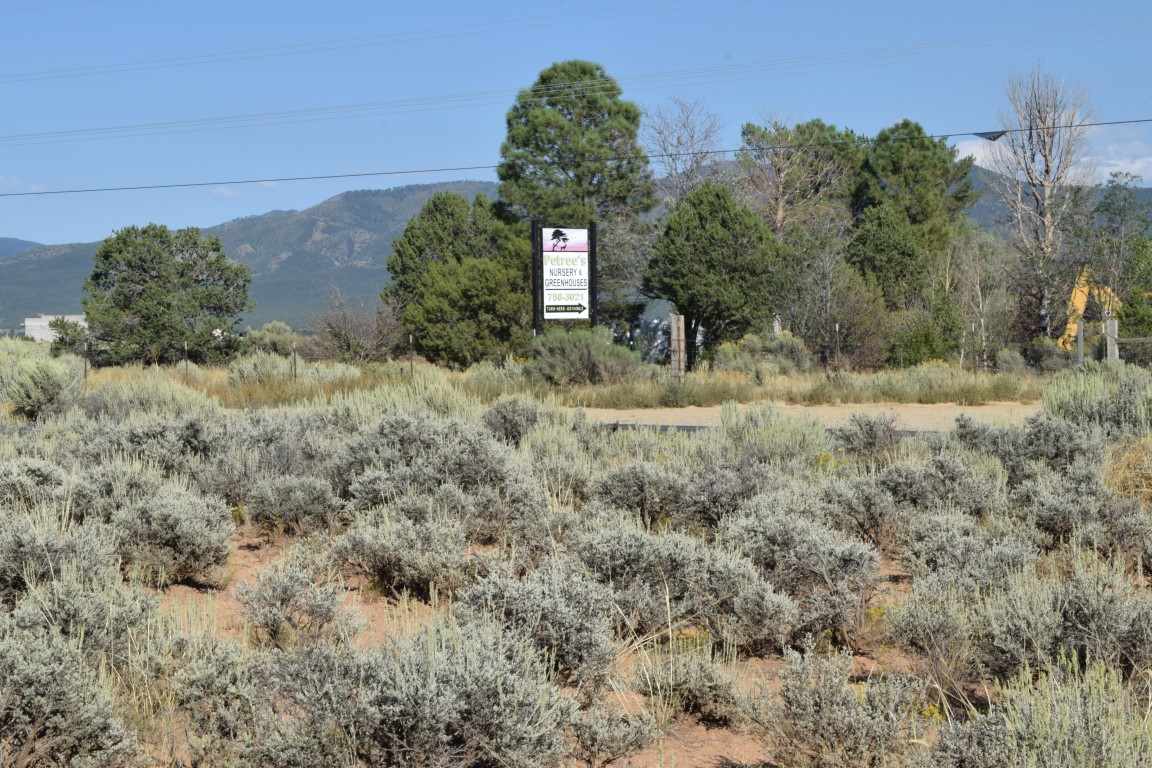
911, 416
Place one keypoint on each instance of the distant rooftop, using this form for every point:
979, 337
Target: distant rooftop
37, 329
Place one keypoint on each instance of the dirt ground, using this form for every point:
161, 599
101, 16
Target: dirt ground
912, 416
686, 744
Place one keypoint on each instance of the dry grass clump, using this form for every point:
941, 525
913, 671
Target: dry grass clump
1129, 470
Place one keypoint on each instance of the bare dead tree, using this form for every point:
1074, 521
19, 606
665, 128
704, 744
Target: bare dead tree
785, 170
625, 246
1117, 225
682, 139
819, 250
1039, 162
356, 332
981, 265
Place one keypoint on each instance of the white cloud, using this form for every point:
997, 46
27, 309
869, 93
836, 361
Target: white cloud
978, 149
1128, 156
1100, 160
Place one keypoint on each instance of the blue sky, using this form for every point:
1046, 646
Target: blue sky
862, 65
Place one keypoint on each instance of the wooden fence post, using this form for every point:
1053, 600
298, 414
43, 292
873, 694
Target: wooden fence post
1111, 331
676, 343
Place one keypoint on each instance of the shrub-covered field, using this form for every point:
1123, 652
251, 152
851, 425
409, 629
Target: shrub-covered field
401, 570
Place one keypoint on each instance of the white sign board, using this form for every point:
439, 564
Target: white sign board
565, 275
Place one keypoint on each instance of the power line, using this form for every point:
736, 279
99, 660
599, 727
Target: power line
538, 93
491, 166
252, 54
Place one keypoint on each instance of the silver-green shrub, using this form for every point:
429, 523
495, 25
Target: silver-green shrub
581, 356
867, 435
295, 504
171, 444
1055, 442
943, 482
821, 721
401, 555
602, 737
39, 546
1095, 614
1067, 718
1018, 625
653, 493
175, 535
862, 507
100, 491
213, 687
937, 622
412, 453
715, 490
26, 482
296, 600
103, 617
443, 697
512, 417
255, 445
692, 683
1105, 617
1074, 506
958, 545
764, 355
1115, 399
827, 573
38, 387
660, 579
762, 434
146, 391
53, 709
560, 607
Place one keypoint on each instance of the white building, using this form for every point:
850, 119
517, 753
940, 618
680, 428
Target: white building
36, 328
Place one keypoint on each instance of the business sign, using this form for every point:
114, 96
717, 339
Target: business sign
564, 273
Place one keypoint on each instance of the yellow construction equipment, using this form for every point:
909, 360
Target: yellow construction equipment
1084, 289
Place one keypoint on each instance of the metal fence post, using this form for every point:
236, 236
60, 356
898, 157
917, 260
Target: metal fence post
1111, 331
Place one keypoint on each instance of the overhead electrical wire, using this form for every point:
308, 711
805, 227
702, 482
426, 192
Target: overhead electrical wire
254, 54
537, 93
490, 166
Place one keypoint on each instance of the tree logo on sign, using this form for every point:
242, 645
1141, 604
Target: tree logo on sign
559, 240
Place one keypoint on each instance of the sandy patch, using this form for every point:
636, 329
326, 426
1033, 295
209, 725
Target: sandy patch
914, 416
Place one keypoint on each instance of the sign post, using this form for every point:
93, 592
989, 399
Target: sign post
563, 274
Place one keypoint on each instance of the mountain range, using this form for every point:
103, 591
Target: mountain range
297, 258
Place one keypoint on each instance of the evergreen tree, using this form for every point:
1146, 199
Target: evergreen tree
571, 154
909, 194
461, 281
154, 292
719, 263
